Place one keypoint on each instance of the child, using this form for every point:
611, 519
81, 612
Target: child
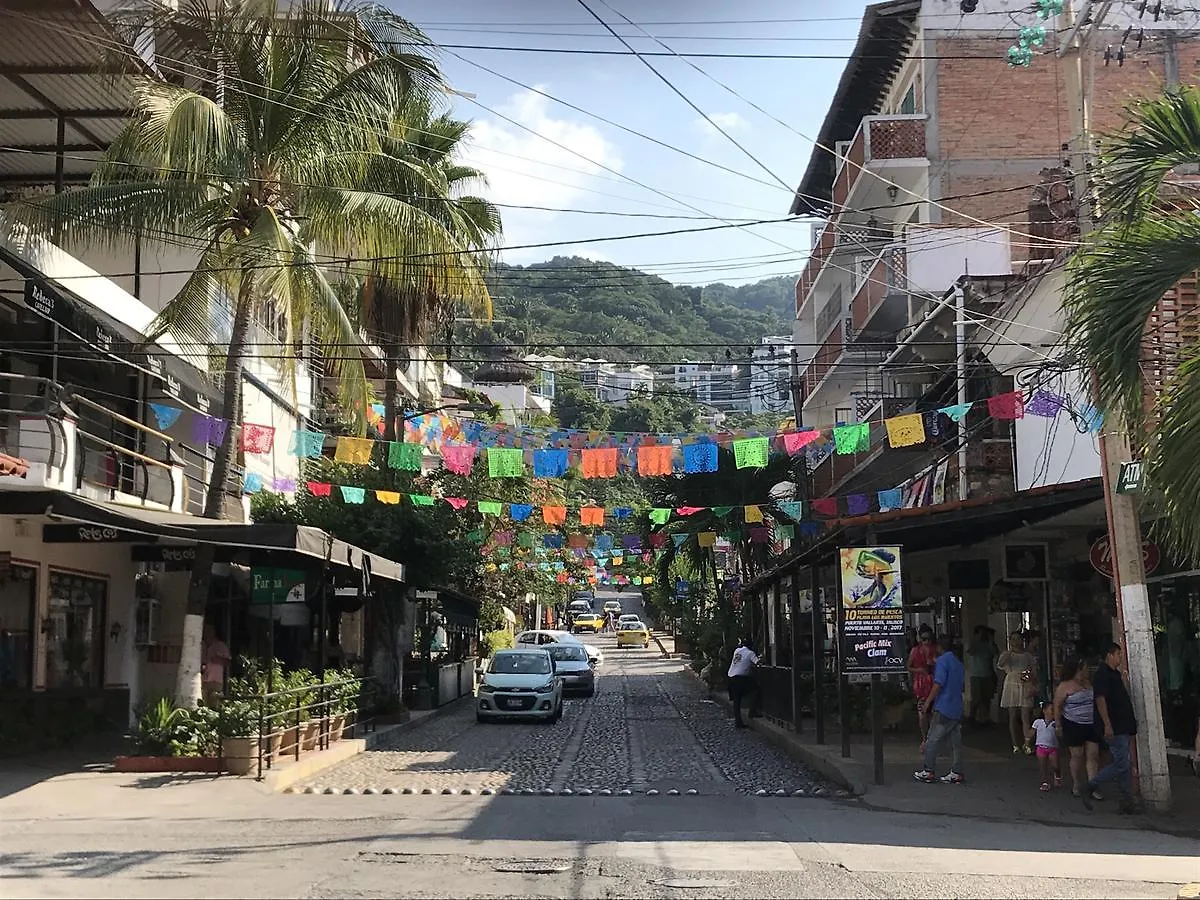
1047, 746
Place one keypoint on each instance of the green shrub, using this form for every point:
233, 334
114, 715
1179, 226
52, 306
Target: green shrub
501, 639
166, 730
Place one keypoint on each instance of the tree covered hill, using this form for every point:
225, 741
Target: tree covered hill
580, 307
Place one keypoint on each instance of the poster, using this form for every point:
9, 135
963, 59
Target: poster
872, 610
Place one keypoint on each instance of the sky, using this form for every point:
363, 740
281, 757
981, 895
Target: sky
596, 180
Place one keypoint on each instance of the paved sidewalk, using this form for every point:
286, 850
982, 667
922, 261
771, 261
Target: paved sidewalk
998, 785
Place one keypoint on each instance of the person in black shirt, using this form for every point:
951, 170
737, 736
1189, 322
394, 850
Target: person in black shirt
1114, 713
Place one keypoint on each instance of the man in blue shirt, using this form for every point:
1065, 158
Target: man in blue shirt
946, 702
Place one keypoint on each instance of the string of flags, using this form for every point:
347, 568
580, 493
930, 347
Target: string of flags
508, 451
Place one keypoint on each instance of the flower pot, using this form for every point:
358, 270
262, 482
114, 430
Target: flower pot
337, 725
289, 739
240, 755
309, 733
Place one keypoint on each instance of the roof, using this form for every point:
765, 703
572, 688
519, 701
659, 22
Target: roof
54, 86
147, 525
13, 465
958, 523
884, 36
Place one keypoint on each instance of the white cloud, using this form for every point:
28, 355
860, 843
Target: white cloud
728, 121
522, 170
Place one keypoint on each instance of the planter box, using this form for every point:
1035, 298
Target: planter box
240, 755
168, 764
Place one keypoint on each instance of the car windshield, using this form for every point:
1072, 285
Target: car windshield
632, 625
568, 653
521, 664
585, 615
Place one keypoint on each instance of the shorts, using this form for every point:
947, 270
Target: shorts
1076, 735
1043, 752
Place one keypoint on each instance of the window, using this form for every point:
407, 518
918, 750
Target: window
74, 638
908, 105
18, 594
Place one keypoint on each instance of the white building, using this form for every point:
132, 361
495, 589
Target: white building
725, 387
770, 374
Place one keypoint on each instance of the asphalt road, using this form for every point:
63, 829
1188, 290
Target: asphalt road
107, 835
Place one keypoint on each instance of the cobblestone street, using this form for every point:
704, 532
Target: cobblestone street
650, 727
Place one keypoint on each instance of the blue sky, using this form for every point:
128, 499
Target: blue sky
597, 164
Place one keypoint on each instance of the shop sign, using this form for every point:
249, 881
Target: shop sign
872, 638
1129, 479
42, 298
175, 558
271, 585
1101, 556
87, 534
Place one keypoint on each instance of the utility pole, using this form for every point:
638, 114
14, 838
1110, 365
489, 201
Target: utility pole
1124, 529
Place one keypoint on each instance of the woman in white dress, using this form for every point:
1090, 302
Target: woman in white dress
1016, 696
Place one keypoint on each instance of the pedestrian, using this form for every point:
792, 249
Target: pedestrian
921, 660
216, 662
1075, 715
742, 682
1047, 746
945, 702
1114, 708
1016, 697
981, 667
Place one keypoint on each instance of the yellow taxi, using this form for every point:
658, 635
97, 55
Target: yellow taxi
632, 633
587, 621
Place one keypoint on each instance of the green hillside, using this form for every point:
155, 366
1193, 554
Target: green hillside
579, 307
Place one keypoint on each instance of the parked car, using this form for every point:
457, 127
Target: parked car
520, 684
577, 672
631, 634
541, 637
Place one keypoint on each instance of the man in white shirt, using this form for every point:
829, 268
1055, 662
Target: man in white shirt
742, 682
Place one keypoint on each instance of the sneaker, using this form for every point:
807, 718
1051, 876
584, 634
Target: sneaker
951, 777
924, 775
1016, 750
1058, 781
1045, 787
1027, 750
1096, 795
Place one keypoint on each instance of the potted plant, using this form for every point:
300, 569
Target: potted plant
237, 724
344, 702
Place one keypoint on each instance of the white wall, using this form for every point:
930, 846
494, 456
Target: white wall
937, 257
1049, 451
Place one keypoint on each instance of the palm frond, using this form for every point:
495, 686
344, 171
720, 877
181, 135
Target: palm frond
1172, 474
1114, 286
1162, 132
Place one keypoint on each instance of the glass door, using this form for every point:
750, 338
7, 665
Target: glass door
74, 633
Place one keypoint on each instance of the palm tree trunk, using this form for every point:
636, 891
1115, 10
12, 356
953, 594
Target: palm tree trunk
187, 678
391, 393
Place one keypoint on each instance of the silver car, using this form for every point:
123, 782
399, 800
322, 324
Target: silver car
574, 668
520, 684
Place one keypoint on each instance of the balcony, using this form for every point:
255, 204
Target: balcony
75, 444
881, 142
881, 285
824, 360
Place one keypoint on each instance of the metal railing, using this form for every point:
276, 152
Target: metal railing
122, 469
299, 720
29, 396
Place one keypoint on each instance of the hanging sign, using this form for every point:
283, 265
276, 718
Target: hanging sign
270, 585
88, 534
872, 610
1129, 479
1101, 556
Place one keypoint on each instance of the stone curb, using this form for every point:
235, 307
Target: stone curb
848, 774
543, 792
285, 779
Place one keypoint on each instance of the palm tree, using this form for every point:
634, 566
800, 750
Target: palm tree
1149, 242
407, 307
732, 487
280, 163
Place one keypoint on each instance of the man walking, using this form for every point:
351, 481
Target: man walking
1115, 711
945, 701
741, 682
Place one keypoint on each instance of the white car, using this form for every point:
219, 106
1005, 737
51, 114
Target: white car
628, 617
612, 606
555, 636
520, 684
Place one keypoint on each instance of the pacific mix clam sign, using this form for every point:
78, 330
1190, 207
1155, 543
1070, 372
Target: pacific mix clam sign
872, 610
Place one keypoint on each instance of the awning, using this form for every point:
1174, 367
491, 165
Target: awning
960, 523
110, 337
100, 522
458, 608
13, 465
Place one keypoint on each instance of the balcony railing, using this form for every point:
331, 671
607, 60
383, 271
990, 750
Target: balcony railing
886, 276
74, 443
825, 359
878, 138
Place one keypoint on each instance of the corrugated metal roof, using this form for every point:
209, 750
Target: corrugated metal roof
53, 62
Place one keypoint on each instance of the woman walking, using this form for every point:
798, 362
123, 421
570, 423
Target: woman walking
1016, 697
1075, 712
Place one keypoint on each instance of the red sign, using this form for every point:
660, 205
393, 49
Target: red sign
1101, 556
